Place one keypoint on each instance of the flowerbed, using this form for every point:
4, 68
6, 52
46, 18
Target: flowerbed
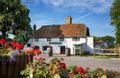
56, 68
7, 55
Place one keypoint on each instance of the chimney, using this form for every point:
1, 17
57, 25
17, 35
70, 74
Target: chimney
68, 20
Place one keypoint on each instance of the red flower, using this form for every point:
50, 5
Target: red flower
37, 51
80, 70
19, 46
3, 41
13, 44
39, 59
63, 65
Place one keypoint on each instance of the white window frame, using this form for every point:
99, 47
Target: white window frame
49, 39
61, 39
76, 38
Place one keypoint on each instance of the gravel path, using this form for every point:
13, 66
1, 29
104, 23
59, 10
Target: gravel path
91, 62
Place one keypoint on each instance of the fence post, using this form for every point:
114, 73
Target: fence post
94, 52
119, 51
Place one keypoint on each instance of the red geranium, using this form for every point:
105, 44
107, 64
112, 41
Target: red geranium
80, 70
19, 46
13, 44
63, 65
3, 41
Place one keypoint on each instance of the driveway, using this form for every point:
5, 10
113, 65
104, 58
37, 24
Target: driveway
91, 62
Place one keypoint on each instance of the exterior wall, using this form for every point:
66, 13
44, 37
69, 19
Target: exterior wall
68, 43
89, 44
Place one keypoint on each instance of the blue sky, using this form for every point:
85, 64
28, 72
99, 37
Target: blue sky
93, 13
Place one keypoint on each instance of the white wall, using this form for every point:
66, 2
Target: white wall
68, 42
90, 44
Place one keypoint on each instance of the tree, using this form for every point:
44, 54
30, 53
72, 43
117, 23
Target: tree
14, 16
96, 39
23, 36
110, 41
115, 19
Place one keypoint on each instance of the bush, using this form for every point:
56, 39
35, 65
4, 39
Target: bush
86, 53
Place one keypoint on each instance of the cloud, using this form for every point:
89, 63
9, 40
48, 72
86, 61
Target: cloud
38, 23
86, 15
77, 19
36, 19
86, 5
54, 3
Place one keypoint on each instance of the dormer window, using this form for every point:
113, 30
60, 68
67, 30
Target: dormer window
49, 39
61, 38
76, 38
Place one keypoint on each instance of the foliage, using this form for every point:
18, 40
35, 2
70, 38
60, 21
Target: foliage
5, 52
109, 39
8, 55
40, 69
22, 37
14, 17
96, 39
115, 19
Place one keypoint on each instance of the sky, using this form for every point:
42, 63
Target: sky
93, 13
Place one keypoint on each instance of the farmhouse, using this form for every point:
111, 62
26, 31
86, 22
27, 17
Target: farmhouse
59, 37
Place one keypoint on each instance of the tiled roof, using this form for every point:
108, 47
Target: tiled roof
67, 30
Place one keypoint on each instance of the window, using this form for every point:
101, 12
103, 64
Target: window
61, 39
36, 39
76, 38
48, 39
44, 47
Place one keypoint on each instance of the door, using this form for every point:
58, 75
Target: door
62, 50
78, 49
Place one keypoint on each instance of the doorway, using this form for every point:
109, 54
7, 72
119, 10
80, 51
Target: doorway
62, 50
78, 49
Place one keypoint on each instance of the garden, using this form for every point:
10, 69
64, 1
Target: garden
56, 68
22, 65
14, 63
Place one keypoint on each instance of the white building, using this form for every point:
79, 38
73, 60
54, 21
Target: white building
73, 36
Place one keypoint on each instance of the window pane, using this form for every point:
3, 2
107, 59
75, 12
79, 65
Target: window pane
61, 39
48, 39
76, 39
